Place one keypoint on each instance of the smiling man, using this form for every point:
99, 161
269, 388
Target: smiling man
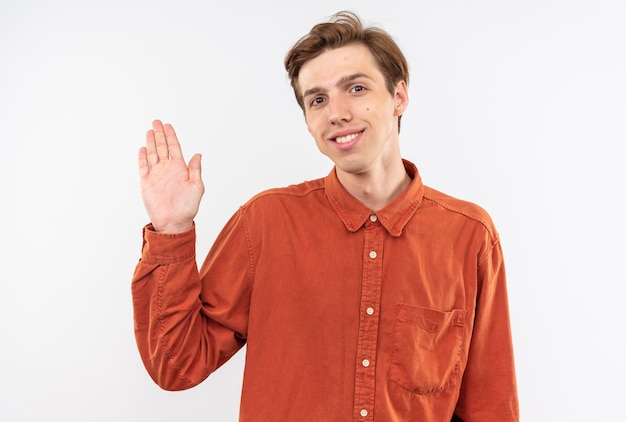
353, 118
364, 295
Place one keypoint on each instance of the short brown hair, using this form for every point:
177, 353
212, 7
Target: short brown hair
345, 28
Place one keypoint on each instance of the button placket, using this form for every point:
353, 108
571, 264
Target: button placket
369, 319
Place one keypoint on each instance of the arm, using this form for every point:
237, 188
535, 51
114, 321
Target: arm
489, 390
185, 325
188, 324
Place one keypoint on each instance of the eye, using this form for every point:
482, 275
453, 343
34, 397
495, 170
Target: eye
316, 101
357, 88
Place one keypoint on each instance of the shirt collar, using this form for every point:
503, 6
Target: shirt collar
393, 217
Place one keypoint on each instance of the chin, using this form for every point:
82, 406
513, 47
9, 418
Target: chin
352, 167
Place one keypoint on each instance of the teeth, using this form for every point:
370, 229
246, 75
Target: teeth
347, 138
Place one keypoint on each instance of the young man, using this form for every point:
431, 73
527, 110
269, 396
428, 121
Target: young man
361, 296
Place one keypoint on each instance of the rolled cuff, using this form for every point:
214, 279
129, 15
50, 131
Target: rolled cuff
167, 248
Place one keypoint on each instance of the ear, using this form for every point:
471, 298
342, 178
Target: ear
400, 99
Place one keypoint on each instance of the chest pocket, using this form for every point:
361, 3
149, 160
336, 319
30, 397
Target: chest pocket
427, 348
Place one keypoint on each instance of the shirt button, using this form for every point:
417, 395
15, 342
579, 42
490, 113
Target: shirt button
373, 254
373, 218
366, 363
364, 412
370, 311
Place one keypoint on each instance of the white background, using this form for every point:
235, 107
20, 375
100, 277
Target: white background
518, 106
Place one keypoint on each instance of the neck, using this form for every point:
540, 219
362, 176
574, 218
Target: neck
377, 188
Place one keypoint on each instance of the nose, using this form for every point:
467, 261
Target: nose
338, 110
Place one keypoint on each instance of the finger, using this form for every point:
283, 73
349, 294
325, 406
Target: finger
144, 169
173, 145
195, 168
162, 152
151, 154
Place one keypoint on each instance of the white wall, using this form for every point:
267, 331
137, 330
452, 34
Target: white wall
518, 106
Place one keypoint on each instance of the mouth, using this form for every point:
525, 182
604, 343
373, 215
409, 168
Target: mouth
346, 138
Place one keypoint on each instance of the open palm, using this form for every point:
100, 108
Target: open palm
171, 189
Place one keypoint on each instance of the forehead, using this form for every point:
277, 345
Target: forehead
332, 65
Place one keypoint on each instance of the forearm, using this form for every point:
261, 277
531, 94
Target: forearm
178, 344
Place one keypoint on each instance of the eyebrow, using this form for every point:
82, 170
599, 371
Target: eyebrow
343, 81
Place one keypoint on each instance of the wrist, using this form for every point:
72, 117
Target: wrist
173, 228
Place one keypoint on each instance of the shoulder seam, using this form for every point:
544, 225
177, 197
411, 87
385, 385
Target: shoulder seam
490, 229
282, 192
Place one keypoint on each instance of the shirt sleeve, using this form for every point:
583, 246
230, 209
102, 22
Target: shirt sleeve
489, 391
188, 323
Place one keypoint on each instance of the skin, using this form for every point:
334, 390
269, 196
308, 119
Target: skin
171, 189
345, 95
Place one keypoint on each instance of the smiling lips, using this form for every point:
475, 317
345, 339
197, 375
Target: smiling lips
346, 138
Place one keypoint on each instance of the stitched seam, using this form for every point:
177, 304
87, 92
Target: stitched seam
487, 253
492, 235
163, 340
285, 192
167, 259
249, 245
482, 222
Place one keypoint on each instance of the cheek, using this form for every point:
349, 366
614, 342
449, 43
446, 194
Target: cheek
309, 125
313, 126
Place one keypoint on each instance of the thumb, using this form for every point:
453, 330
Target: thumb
195, 168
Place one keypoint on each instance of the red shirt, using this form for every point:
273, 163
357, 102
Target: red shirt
348, 314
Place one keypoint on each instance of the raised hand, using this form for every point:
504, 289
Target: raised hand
171, 189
